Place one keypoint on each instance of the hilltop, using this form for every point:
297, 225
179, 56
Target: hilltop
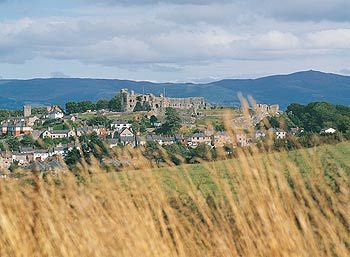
301, 87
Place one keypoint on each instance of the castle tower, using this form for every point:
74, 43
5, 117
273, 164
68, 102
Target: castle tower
27, 110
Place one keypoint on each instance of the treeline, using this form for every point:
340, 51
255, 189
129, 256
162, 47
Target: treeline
115, 104
313, 117
4, 114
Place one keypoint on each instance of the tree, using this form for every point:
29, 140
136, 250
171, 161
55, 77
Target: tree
72, 157
99, 120
172, 122
27, 140
146, 107
153, 119
138, 107
102, 104
71, 107
153, 152
13, 143
115, 104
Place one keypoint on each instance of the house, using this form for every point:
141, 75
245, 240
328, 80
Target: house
15, 128
161, 140
112, 143
328, 131
296, 130
279, 133
199, 138
181, 139
70, 117
55, 114
58, 151
22, 159
128, 140
259, 134
120, 124
40, 155
125, 132
29, 120
5, 160
221, 139
57, 134
242, 140
99, 130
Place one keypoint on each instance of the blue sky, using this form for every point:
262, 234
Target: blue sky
168, 40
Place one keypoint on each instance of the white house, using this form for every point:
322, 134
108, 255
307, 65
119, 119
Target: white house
120, 124
328, 131
259, 134
57, 134
55, 114
40, 155
279, 133
199, 138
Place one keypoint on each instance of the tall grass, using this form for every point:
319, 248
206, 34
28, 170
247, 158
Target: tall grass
260, 204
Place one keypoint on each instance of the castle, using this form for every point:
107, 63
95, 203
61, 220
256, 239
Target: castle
159, 103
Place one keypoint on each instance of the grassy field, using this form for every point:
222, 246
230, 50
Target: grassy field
260, 204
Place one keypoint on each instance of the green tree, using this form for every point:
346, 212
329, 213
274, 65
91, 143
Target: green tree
115, 104
153, 119
72, 157
138, 107
172, 122
13, 143
102, 104
99, 120
27, 140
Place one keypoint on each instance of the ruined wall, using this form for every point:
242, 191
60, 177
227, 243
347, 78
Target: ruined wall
159, 103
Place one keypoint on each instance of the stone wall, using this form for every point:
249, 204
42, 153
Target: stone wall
159, 103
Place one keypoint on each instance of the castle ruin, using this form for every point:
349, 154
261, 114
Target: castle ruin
159, 103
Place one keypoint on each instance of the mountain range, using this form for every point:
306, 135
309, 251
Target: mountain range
300, 87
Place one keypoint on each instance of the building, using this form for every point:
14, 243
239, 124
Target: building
15, 128
328, 131
242, 140
120, 124
57, 134
199, 138
159, 103
55, 115
279, 133
259, 135
161, 140
221, 139
5, 160
99, 130
27, 110
267, 109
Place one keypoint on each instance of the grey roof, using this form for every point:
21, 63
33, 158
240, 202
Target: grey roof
59, 131
127, 139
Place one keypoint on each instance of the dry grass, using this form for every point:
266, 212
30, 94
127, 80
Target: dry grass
282, 204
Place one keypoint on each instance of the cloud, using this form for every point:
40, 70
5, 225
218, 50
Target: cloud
58, 74
155, 44
345, 71
294, 10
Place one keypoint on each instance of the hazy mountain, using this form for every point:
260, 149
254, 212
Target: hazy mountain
301, 87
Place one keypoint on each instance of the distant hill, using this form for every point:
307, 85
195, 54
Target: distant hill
301, 87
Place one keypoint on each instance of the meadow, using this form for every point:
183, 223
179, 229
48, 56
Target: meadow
292, 203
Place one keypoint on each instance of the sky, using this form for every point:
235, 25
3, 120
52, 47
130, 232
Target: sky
172, 40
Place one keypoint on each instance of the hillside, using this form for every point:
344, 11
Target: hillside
301, 87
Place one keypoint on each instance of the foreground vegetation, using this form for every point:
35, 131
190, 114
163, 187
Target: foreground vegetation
260, 204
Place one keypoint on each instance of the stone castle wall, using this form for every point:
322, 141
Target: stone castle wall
159, 103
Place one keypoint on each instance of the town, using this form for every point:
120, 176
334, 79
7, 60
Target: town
44, 135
